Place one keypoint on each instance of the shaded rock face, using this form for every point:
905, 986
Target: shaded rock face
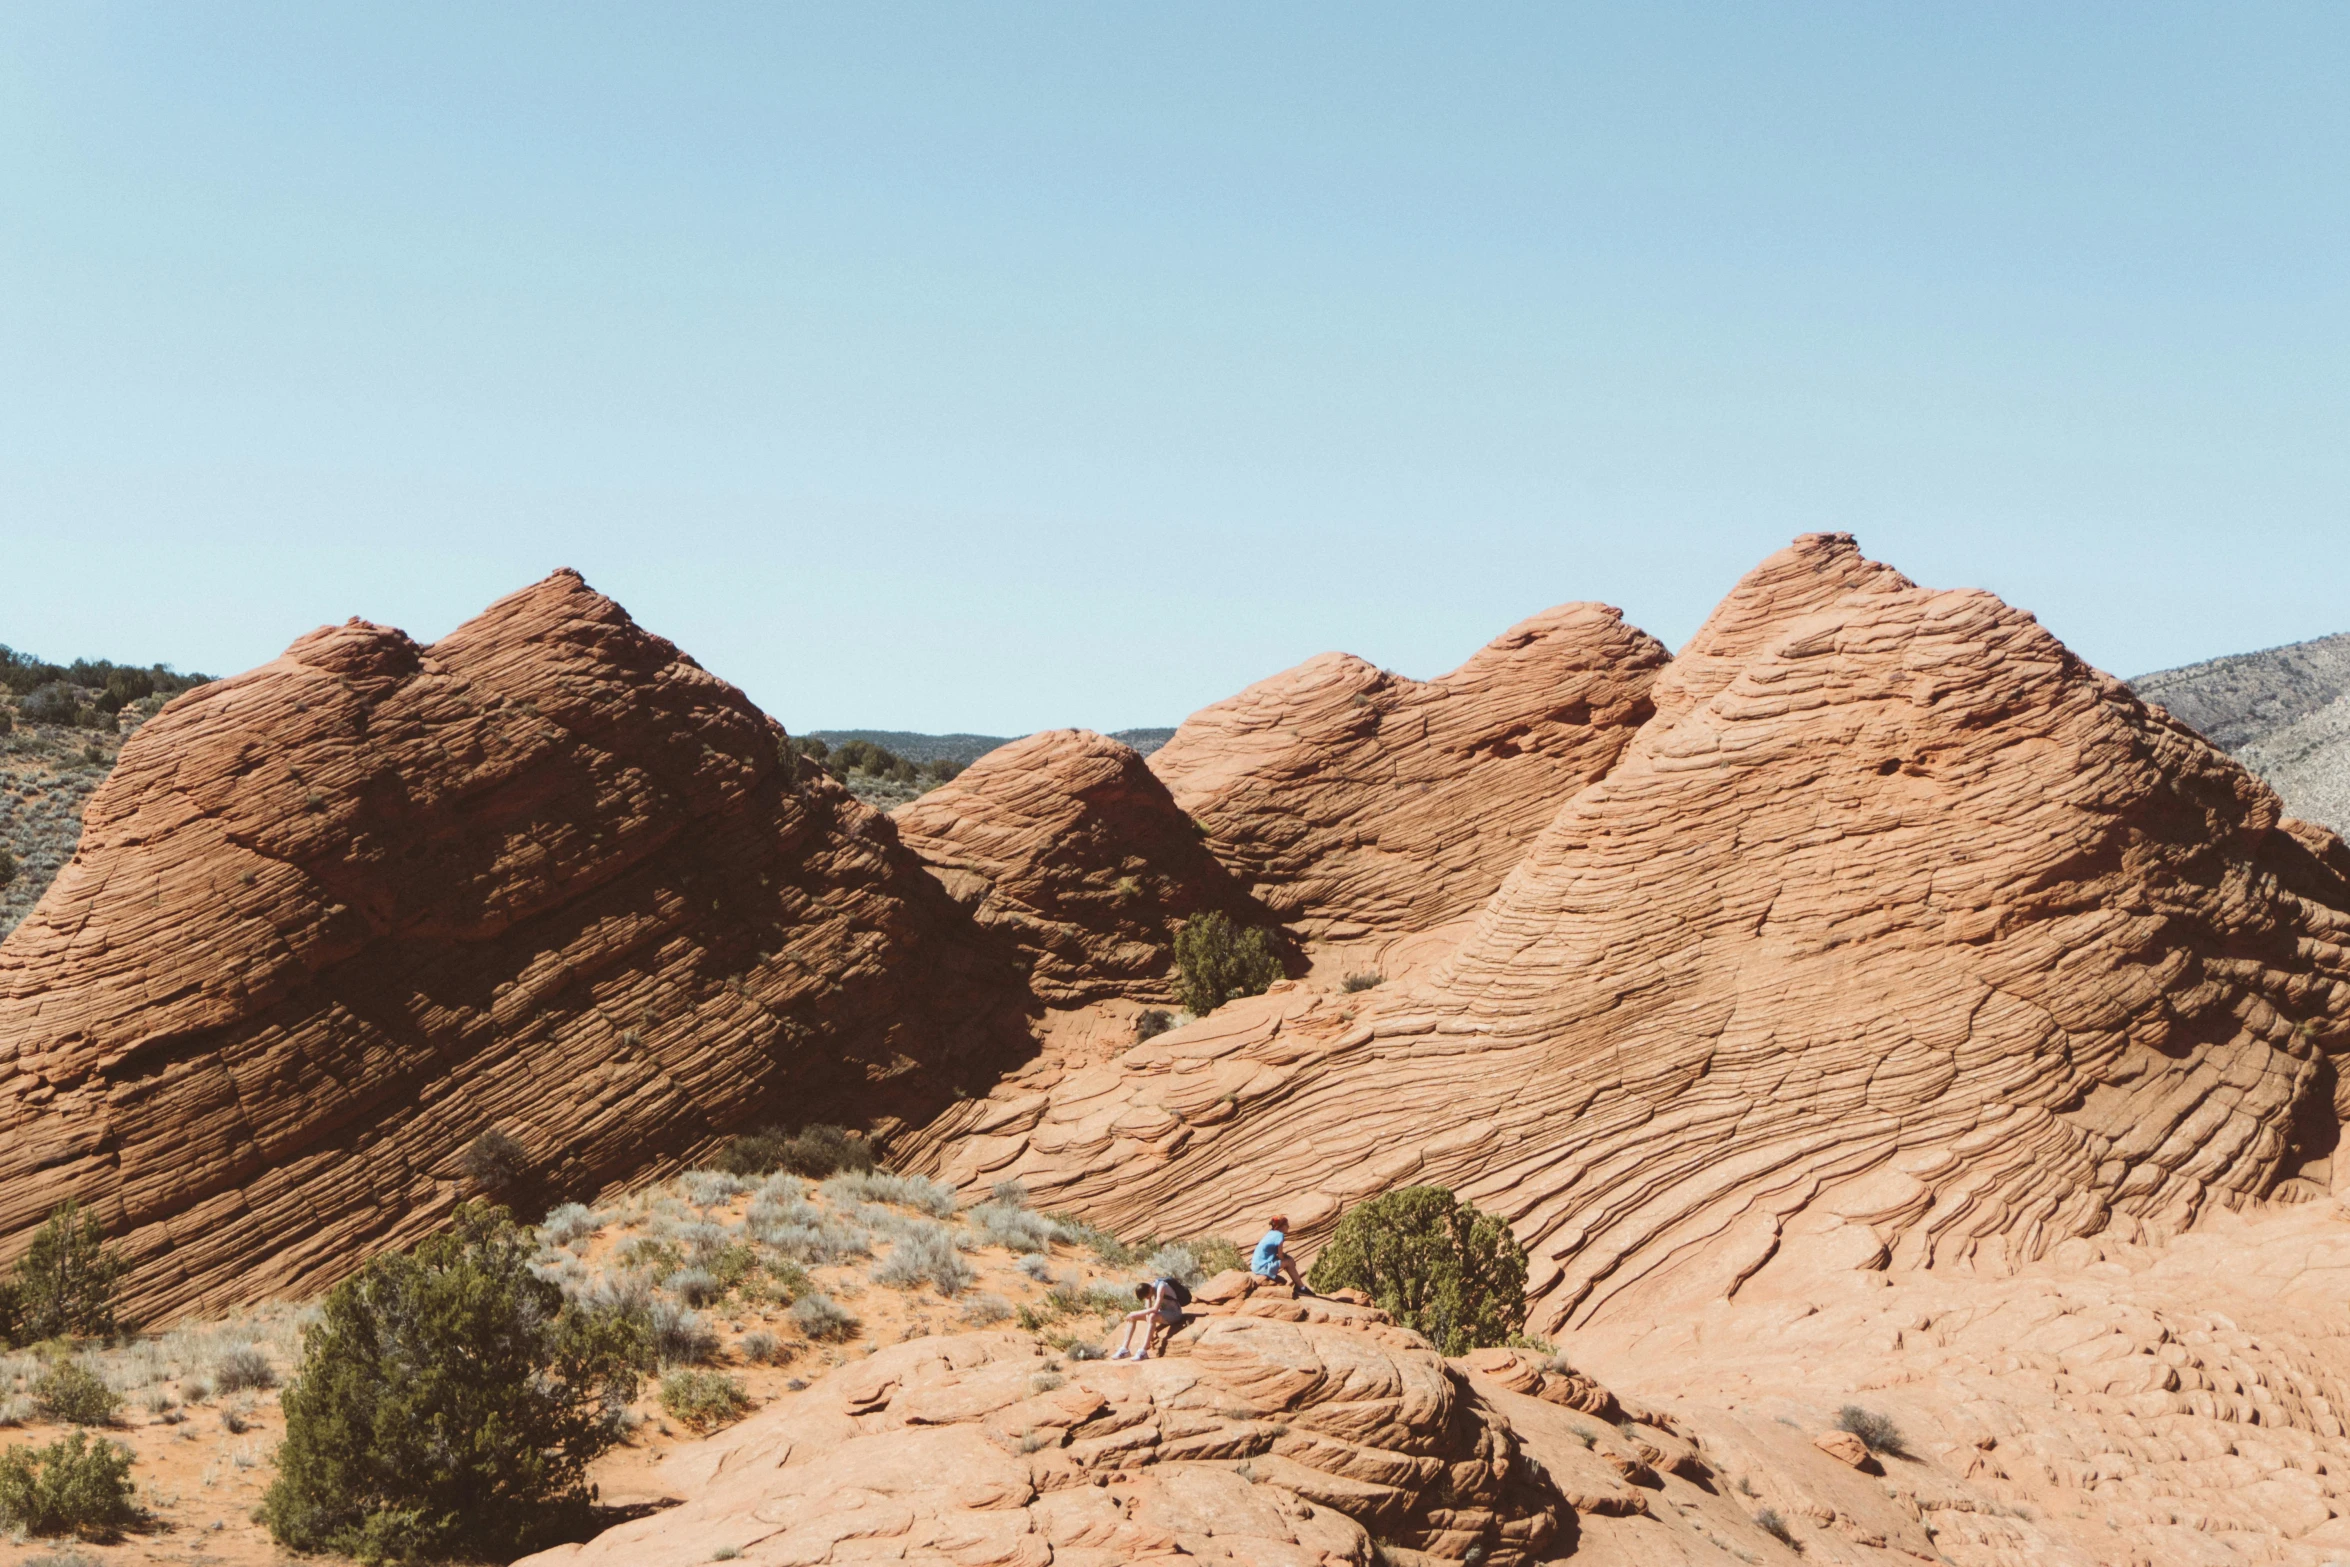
1254, 1440
333, 918
1071, 850
1353, 801
1913, 940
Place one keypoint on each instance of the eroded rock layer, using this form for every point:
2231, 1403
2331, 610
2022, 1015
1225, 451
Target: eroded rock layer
1914, 939
1354, 802
1071, 850
332, 919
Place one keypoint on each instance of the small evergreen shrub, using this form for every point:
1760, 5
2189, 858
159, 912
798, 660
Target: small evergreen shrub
1215, 1254
703, 1400
1152, 1023
1361, 982
1878, 1431
1433, 1263
813, 1151
244, 1369
448, 1404
65, 1283
72, 1486
495, 1161
72, 1392
824, 1319
1217, 961
7, 855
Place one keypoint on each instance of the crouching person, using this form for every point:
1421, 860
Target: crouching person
1164, 1300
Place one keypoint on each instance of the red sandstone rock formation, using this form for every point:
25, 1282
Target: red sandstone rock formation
1910, 939
1355, 802
333, 918
1071, 850
1255, 1440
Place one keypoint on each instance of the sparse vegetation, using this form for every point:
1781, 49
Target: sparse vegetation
823, 1319
703, 1400
925, 1255
813, 1151
496, 1161
1152, 1023
73, 1486
1217, 961
873, 761
1434, 1263
1770, 1523
70, 1391
244, 1368
65, 1283
1877, 1431
1360, 982
448, 1403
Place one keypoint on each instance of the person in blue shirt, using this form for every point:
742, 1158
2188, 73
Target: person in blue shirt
1272, 1260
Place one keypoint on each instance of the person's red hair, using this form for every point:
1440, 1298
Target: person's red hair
1278, 1222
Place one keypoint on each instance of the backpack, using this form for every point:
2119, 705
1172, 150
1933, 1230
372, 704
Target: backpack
1175, 1288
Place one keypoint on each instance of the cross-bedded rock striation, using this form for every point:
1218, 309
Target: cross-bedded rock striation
1355, 802
1899, 935
332, 919
1070, 850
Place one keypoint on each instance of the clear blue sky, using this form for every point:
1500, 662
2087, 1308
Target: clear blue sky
998, 366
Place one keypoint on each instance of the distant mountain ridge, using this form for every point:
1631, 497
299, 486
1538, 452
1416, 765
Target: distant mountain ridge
2284, 712
917, 747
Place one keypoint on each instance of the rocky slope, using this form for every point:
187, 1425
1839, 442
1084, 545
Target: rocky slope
1359, 804
2285, 713
1912, 938
1071, 850
333, 918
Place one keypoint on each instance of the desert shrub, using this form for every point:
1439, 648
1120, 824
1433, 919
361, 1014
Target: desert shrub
1177, 1263
701, 1240
495, 1161
1153, 1022
1008, 1193
703, 1400
709, 1188
925, 1254
1433, 1263
678, 1336
1014, 1229
570, 1222
53, 703
986, 1310
72, 1392
910, 1191
1111, 1250
823, 1318
1217, 961
813, 1151
243, 1368
1878, 1431
1770, 1523
760, 1346
1216, 1255
7, 855
1037, 1268
72, 1486
1360, 982
65, 1282
694, 1286
448, 1403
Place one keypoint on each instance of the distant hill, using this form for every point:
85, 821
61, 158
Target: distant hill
916, 747
2283, 712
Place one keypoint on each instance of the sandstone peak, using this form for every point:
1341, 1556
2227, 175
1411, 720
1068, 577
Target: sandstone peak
1071, 849
1357, 803
1916, 940
332, 918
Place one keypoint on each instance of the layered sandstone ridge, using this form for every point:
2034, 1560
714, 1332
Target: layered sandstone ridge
1356, 803
1072, 851
333, 918
1914, 941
